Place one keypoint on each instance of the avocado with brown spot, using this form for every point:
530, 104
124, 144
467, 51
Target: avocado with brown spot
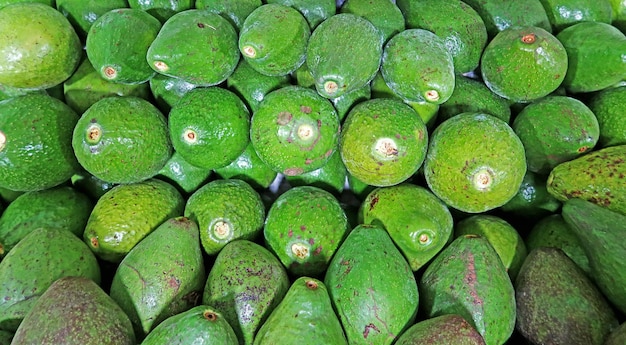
444, 329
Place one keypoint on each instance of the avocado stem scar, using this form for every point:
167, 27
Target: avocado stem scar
189, 136
305, 131
529, 38
311, 285
386, 147
94, 133
161, 66
222, 229
482, 179
424, 238
3, 140
331, 87
249, 51
432, 95
300, 250
209, 315
109, 72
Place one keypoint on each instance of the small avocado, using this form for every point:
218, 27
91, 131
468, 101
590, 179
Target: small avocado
499, 15
197, 46
117, 43
246, 282
595, 52
75, 303
331, 177
558, 304
315, 12
41, 257
597, 177
235, 12
166, 91
384, 14
252, 86
417, 66
532, 198
202, 324
306, 312
565, 13
304, 227
367, 272
127, 213
61, 207
343, 54
443, 329
468, 278
162, 9
35, 140
600, 232
249, 168
159, 277
82, 13
183, 175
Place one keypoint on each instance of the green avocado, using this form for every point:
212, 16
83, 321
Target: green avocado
608, 105
384, 14
468, 278
459, 25
304, 227
499, 15
193, 326
273, 39
368, 272
601, 232
82, 13
617, 336
249, 168
306, 312
443, 329
235, 12
252, 86
160, 277
331, 177
166, 91
595, 52
197, 46
117, 43
62, 207
343, 54
41, 257
558, 304
565, 13
75, 303
247, 282
127, 213
35, 140
598, 177
315, 12
417, 66
183, 175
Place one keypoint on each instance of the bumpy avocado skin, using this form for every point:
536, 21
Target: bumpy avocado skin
557, 303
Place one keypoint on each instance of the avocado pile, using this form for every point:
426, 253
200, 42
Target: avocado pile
313, 171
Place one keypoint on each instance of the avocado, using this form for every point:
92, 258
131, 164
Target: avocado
166, 91
61, 207
555, 129
43, 53
532, 199
122, 140
159, 278
499, 15
607, 105
273, 39
417, 66
249, 168
553, 231
35, 140
315, 12
471, 95
195, 45
617, 336
597, 177
558, 304
304, 227
306, 312
127, 213
75, 303
459, 25
85, 87
117, 43
368, 272
331, 177
294, 130
600, 232
27, 271
183, 175
343, 54
82, 13
252, 86
418, 222
344, 103
468, 278
225, 210
5, 337
384, 14
565, 13
443, 329
246, 282
234, 11
595, 53
90, 185
162, 9
198, 325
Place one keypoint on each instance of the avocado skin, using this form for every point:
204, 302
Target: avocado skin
598, 176
444, 329
75, 310
357, 294
557, 304
601, 233
160, 277
617, 336
202, 324
61, 207
40, 258
247, 282
305, 312
468, 278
